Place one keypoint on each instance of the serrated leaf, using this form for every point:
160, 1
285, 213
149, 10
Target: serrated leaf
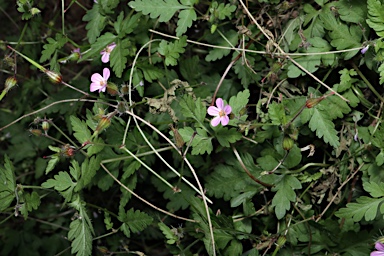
52, 46
171, 237
108, 221
356, 14
201, 143
324, 127
186, 17
88, 171
381, 70
162, 9
226, 136
374, 189
346, 79
172, 51
134, 221
7, 184
285, 194
81, 237
276, 113
81, 132
221, 11
96, 23
100, 44
31, 202
193, 108
365, 207
63, 183
119, 55
243, 71
51, 164
376, 16
96, 147
343, 36
151, 72
334, 107
239, 101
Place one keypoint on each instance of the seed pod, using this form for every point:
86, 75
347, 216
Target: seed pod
287, 143
45, 126
178, 139
10, 82
54, 77
281, 241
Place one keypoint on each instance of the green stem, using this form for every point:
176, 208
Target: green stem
366, 81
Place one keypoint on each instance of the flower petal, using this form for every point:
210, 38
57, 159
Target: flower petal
213, 111
379, 246
220, 103
95, 87
227, 110
105, 57
215, 121
96, 78
377, 253
106, 73
224, 120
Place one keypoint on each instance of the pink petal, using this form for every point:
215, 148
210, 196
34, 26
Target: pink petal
377, 253
105, 57
220, 103
103, 88
379, 246
227, 109
213, 111
97, 78
224, 120
111, 46
106, 73
95, 87
215, 121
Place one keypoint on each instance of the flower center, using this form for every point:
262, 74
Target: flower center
222, 113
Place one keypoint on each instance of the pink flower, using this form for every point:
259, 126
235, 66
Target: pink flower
380, 249
100, 82
220, 113
106, 52
365, 49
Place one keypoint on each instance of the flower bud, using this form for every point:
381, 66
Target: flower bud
104, 123
36, 132
124, 89
67, 150
287, 143
122, 107
310, 103
281, 241
112, 89
10, 82
45, 126
55, 78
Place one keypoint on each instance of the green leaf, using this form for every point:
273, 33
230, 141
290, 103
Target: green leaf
126, 26
346, 79
365, 207
169, 235
81, 132
63, 183
243, 71
201, 143
162, 9
381, 70
239, 101
88, 171
81, 237
356, 14
343, 37
374, 189
108, 221
285, 194
7, 184
276, 113
324, 127
376, 16
96, 23
134, 221
334, 107
51, 164
172, 51
221, 11
101, 42
186, 17
119, 55
96, 147
226, 136
193, 108
31, 202
217, 53
151, 72
52, 46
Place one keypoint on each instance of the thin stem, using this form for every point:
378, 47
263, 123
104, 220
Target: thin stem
138, 155
50, 105
371, 87
142, 199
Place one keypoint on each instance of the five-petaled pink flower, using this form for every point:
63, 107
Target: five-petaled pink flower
380, 249
100, 82
106, 52
220, 113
